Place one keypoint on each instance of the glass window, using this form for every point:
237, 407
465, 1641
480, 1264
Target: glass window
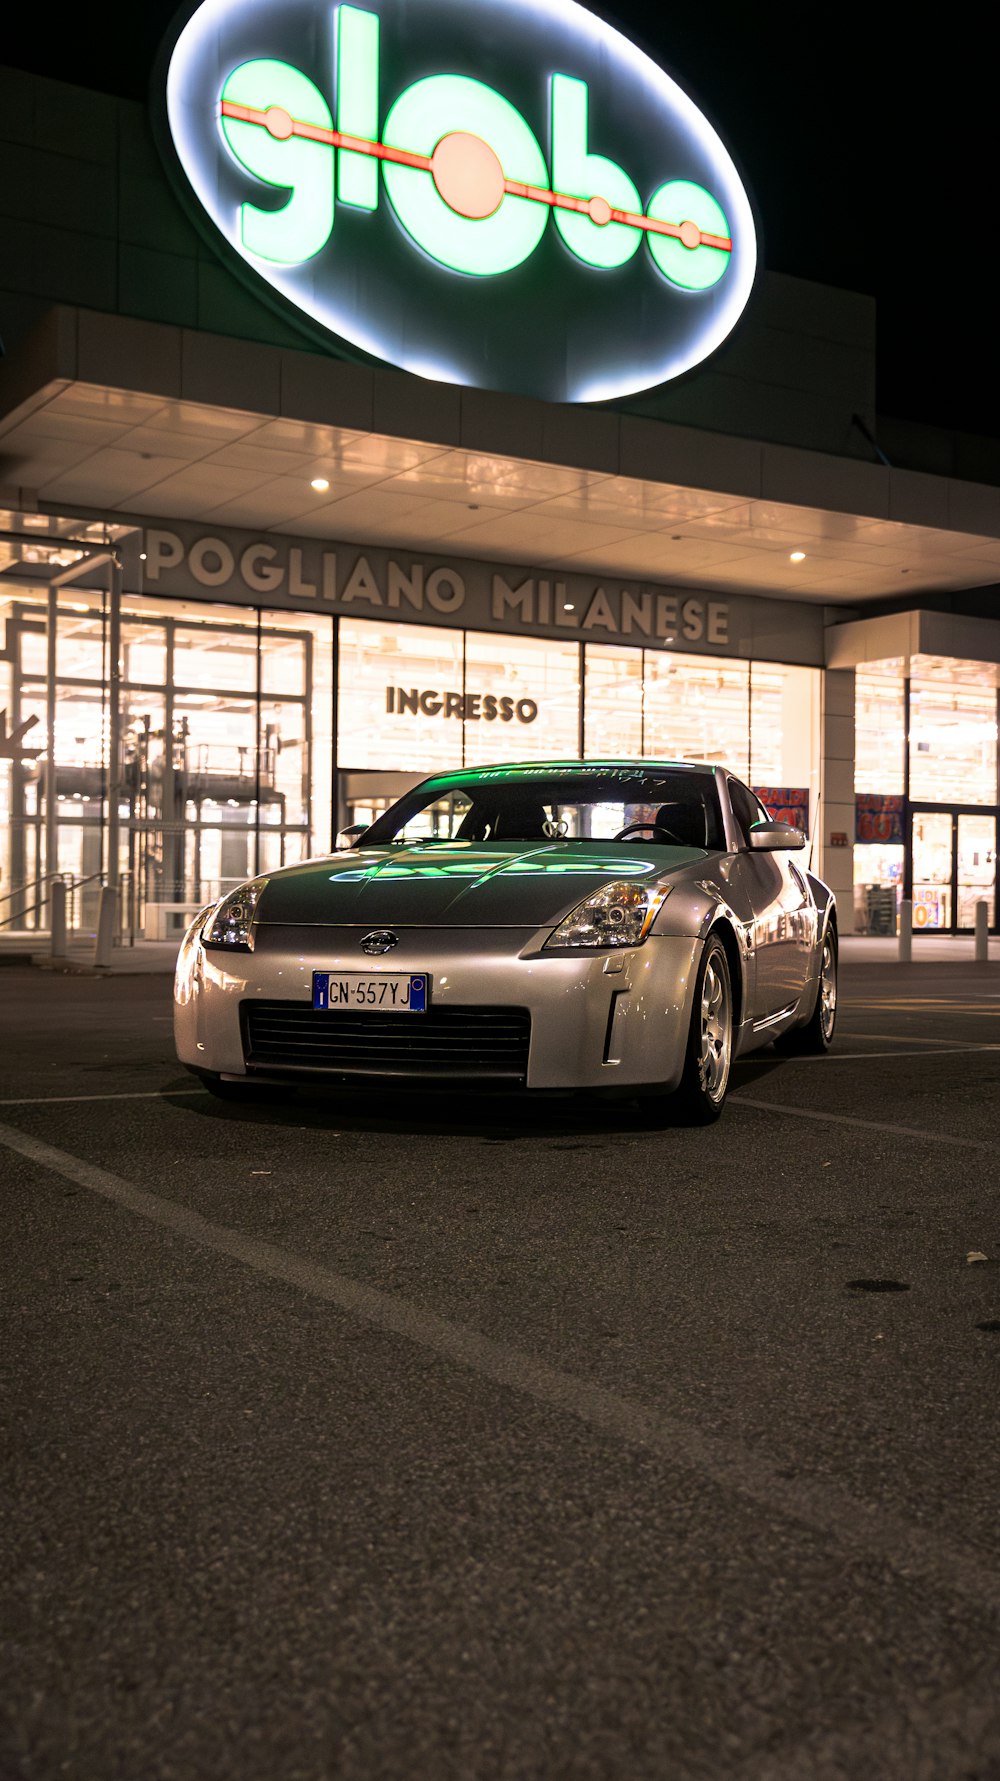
522, 699
400, 699
9, 850
976, 861
23, 651
34, 645
421, 698
284, 762
746, 808
217, 655
879, 720
613, 703
440, 819
283, 654
81, 637
697, 709
784, 725
879, 778
216, 778
144, 653
953, 736
249, 777
297, 659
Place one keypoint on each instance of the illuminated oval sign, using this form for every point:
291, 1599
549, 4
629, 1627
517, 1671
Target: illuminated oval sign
506, 194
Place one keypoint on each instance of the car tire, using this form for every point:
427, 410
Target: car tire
816, 1036
708, 1058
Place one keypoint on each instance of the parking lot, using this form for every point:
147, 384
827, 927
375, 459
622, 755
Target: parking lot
379, 1435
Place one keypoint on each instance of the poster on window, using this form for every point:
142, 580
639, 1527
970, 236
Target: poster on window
878, 817
931, 907
785, 803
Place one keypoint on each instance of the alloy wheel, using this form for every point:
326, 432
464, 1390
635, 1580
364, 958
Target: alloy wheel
828, 988
716, 1032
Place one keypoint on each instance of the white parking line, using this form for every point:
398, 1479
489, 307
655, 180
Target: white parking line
143, 1094
900, 1038
923, 1004
853, 1057
866, 1125
866, 1533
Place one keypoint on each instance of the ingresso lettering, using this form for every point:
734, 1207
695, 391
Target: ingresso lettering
470, 707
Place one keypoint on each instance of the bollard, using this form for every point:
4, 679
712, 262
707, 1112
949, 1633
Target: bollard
106, 910
57, 922
905, 931
982, 944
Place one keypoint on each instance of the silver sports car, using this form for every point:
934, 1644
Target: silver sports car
631, 925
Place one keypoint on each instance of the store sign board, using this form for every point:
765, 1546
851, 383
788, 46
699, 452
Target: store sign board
489, 708
184, 560
508, 194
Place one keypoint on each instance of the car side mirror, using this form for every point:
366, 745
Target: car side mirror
347, 838
774, 837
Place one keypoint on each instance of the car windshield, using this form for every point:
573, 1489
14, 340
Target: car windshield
668, 807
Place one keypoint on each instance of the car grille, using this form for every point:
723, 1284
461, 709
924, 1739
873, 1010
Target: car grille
444, 1042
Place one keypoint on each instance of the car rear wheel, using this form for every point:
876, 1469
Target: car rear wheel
817, 1034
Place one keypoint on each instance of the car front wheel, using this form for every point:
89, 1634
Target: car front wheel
701, 1093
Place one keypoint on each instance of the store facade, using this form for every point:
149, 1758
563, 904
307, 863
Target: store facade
243, 728
927, 713
257, 577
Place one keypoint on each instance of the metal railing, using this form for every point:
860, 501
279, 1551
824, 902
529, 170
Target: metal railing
46, 883
24, 890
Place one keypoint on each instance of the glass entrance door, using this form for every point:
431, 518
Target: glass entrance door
976, 874
933, 847
954, 867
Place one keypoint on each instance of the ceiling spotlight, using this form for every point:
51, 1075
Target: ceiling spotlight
568, 606
797, 556
320, 484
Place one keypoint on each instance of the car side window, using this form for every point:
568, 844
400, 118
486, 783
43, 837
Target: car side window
440, 820
746, 809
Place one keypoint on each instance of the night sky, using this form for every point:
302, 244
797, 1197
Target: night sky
868, 143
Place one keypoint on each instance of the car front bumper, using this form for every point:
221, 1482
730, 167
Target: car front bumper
616, 1020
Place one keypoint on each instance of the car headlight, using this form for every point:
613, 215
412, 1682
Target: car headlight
616, 915
232, 923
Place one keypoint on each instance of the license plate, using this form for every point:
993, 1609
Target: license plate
391, 992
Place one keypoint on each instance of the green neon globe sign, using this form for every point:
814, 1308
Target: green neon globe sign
555, 218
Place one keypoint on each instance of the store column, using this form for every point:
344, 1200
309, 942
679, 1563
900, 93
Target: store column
836, 834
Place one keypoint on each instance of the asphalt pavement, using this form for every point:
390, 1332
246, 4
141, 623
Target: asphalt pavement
386, 1436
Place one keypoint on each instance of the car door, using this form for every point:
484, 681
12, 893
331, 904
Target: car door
783, 913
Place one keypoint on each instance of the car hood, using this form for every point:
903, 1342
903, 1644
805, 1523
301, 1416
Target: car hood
461, 885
